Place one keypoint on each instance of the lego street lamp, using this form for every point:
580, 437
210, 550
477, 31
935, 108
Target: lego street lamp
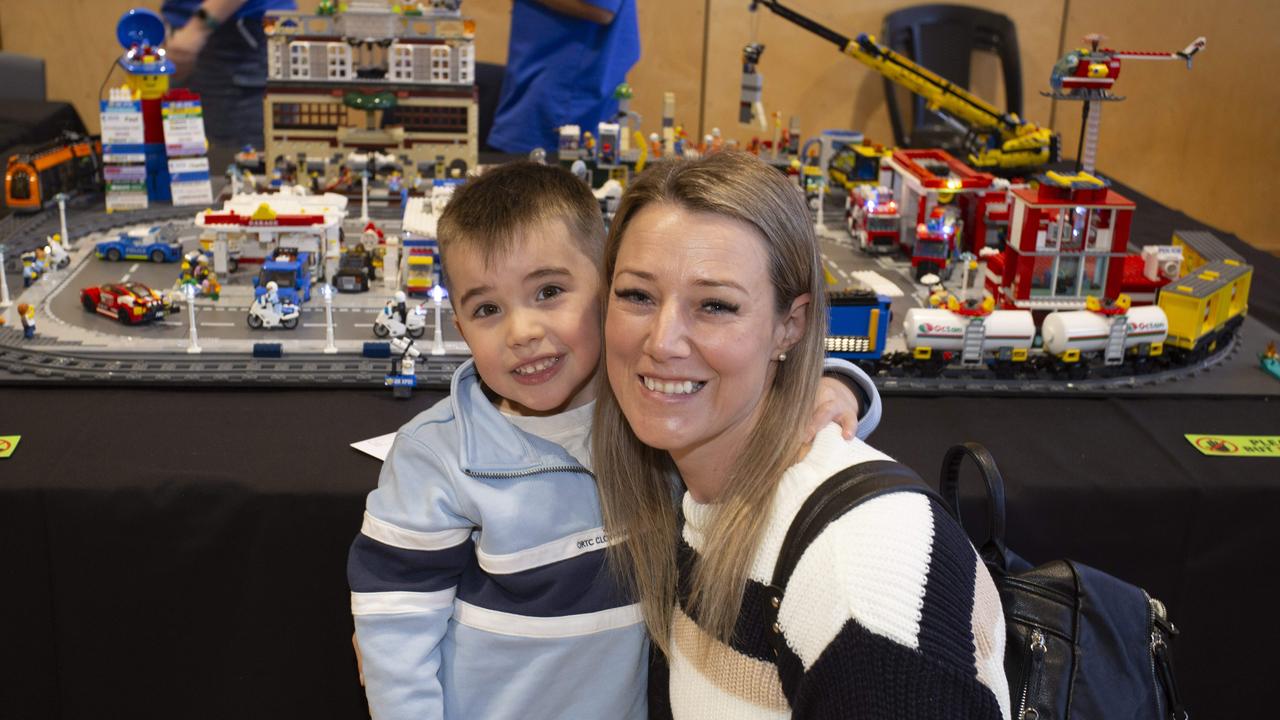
189, 292
62, 219
364, 196
4, 282
437, 341
326, 291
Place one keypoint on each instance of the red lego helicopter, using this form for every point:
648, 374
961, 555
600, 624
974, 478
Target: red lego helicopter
1089, 73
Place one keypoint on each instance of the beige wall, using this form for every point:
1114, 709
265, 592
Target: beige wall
1201, 141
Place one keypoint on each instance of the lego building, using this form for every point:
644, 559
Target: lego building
366, 81
1068, 239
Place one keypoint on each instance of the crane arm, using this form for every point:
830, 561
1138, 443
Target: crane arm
1019, 143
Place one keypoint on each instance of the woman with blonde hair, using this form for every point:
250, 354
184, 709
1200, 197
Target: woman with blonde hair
714, 327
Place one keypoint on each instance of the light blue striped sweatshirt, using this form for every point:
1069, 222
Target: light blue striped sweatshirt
478, 579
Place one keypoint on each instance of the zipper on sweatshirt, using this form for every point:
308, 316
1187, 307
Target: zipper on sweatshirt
531, 471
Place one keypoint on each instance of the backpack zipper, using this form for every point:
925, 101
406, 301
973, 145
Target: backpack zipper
1038, 651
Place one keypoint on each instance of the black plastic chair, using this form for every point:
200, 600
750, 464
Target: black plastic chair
942, 38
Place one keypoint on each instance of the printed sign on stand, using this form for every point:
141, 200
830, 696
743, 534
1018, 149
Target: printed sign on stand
123, 151
185, 145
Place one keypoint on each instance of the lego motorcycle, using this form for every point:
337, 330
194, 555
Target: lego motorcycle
389, 324
265, 315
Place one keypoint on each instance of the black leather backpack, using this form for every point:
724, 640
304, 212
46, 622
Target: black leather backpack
1080, 644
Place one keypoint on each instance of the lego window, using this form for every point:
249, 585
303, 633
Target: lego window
1043, 271
1095, 275
1099, 237
1067, 276
308, 116
427, 119
1053, 223
1075, 223
20, 186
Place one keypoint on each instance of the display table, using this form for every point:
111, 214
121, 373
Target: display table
178, 553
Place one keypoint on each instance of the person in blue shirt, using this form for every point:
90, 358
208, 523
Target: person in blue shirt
564, 61
220, 51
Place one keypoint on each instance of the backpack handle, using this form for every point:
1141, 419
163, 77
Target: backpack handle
993, 550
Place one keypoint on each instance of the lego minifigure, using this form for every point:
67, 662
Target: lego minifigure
272, 296
57, 254
27, 314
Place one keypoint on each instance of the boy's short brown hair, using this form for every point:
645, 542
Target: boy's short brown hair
490, 212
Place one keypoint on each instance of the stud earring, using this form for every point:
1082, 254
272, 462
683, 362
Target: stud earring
782, 357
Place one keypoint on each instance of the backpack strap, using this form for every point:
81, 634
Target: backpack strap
836, 496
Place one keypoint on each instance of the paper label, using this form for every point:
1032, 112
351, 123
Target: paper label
189, 181
183, 128
122, 123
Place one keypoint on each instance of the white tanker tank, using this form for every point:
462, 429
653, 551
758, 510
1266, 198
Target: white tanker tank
1090, 332
942, 329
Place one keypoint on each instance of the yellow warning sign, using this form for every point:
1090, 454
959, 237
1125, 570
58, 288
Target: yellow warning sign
1236, 445
8, 443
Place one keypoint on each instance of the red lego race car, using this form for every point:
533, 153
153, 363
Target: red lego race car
129, 302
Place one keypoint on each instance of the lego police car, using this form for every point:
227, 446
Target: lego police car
156, 244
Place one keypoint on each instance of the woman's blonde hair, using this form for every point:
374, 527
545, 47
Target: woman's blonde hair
638, 483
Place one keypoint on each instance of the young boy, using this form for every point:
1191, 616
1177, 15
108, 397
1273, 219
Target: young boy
478, 581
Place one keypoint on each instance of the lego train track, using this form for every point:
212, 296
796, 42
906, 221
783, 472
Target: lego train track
965, 382
33, 365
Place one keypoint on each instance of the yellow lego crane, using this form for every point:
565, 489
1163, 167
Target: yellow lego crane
996, 140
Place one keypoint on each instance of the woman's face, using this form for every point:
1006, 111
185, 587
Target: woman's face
692, 332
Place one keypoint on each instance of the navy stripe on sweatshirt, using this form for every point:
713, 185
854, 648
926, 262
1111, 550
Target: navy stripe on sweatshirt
574, 586
376, 567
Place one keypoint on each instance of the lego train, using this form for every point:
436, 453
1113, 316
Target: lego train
34, 176
1193, 317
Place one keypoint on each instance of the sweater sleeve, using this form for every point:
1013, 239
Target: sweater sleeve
403, 570
869, 406
892, 615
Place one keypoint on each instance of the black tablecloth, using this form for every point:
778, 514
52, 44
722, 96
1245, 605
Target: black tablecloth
175, 553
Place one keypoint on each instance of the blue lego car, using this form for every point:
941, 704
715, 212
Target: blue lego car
156, 244
292, 277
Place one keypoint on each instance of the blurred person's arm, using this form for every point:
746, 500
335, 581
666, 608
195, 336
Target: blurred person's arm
187, 41
580, 9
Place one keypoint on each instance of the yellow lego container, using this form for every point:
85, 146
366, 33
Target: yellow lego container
1200, 305
1200, 248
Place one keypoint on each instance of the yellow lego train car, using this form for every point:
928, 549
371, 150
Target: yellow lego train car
1206, 307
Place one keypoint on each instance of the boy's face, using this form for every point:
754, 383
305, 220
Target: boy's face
532, 320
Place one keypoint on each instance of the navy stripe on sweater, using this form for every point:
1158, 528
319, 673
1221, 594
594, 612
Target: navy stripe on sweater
946, 627
749, 633
870, 677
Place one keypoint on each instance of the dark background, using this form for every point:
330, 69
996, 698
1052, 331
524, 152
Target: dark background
181, 553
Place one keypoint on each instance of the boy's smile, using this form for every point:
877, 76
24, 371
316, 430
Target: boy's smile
531, 319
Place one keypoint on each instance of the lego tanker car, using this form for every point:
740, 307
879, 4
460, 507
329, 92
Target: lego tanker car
1194, 317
